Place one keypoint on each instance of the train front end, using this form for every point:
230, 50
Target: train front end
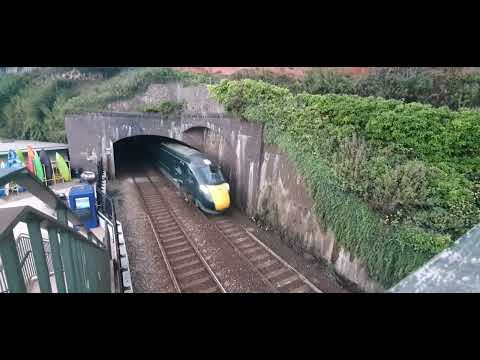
214, 190
217, 197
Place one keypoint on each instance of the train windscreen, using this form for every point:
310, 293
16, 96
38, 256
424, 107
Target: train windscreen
209, 175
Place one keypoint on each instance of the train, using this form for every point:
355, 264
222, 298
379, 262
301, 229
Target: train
194, 173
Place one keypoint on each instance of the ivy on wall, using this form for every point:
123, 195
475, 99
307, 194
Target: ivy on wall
396, 182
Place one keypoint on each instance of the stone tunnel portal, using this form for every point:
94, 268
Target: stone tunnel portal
132, 152
236, 145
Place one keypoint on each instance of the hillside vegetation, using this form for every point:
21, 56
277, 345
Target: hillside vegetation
396, 182
449, 87
33, 106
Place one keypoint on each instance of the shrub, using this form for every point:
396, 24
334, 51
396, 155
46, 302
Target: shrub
126, 85
33, 106
288, 82
450, 88
164, 107
27, 112
399, 188
387, 177
328, 82
10, 86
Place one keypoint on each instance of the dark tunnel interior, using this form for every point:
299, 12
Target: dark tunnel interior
132, 153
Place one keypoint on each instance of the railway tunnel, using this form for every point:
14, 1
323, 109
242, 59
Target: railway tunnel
236, 145
132, 153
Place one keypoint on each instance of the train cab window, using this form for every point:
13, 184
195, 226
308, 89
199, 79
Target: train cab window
209, 175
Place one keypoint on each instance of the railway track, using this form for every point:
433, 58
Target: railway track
273, 270
189, 272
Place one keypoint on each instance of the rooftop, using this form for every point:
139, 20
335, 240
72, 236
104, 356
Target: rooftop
8, 144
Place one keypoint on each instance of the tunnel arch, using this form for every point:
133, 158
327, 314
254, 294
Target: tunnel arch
132, 149
128, 149
197, 136
237, 145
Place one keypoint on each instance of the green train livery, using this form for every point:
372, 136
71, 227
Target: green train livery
195, 174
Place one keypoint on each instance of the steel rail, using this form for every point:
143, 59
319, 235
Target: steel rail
185, 233
302, 277
160, 246
266, 248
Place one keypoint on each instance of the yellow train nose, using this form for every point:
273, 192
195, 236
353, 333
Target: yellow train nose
220, 196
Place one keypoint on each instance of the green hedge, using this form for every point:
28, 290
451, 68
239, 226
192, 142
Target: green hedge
442, 87
395, 182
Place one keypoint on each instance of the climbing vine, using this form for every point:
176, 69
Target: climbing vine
395, 182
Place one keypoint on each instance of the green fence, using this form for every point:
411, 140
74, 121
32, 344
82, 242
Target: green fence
73, 261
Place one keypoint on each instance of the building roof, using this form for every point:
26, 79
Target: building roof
453, 270
6, 145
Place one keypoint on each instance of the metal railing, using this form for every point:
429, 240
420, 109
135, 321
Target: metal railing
109, 215
24, 249
70, 261
3, 280
27, 264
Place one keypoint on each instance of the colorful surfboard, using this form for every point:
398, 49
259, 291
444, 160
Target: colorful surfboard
39, 168
45, 159
20, 156
30, 156
63, 167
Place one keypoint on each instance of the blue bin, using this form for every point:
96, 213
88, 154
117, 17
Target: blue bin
81, 200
